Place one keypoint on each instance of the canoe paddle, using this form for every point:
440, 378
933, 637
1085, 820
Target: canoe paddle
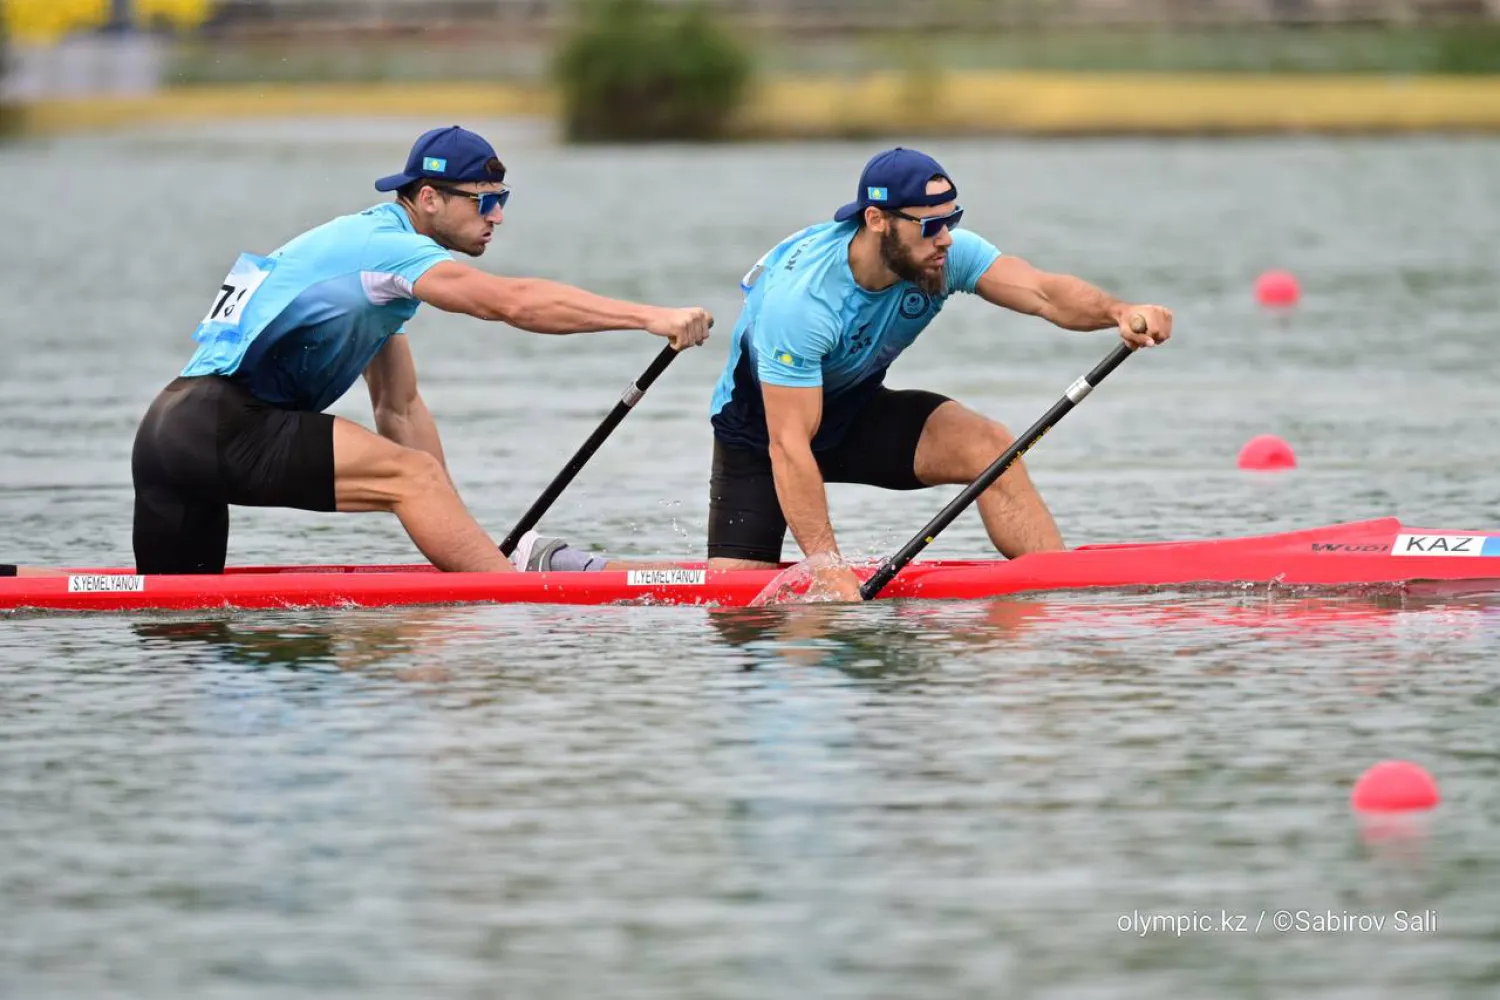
628, 399
960, 503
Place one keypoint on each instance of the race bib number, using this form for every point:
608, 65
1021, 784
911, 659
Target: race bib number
235, 293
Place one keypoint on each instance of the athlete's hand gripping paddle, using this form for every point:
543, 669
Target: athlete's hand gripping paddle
1075, 394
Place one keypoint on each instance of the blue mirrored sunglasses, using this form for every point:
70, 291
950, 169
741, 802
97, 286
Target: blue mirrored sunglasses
487, 201
932, 225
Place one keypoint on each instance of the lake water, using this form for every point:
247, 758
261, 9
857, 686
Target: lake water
917, 799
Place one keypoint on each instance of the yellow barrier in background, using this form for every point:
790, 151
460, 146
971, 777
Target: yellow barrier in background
952, 103
43, 22
981, 102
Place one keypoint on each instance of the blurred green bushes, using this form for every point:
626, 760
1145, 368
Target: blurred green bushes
636, 70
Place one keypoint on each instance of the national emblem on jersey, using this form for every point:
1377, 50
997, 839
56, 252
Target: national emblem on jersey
915, 303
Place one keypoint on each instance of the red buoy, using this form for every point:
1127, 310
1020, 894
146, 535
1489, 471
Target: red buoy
1265, 452
1394, 786
1277, 288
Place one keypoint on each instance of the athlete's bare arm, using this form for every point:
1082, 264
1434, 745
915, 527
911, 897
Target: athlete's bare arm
1069, 302
792, 417
543, 306
400, 414
793, 414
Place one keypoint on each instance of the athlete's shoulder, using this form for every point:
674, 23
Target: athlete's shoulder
807, 308
969, 240
376, 241
388, 224
390, 245
815, 237
385, 221
817, 244
386, 217
797, 254
968, 258
344, 234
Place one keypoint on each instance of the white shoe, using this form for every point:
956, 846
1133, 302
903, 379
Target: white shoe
534, 552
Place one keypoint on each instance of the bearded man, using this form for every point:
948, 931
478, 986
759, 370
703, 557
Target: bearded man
802, 400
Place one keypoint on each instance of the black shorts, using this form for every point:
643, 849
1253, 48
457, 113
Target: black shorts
206, 443
880, 449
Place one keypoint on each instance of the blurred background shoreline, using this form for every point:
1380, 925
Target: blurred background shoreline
803, 69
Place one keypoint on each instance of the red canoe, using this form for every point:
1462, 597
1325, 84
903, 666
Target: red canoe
1363, 553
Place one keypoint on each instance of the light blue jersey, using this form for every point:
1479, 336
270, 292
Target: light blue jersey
298, 328
807, 322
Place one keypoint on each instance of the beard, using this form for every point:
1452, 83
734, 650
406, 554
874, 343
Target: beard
899, 258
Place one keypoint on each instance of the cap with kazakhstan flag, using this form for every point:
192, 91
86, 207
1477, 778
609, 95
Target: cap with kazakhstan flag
450, 154
897, 178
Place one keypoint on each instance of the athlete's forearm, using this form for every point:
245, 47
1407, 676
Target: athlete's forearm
543, 306
803, 497
1074, 304
412, 427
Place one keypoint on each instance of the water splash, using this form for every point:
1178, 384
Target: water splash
790, 586
804, 582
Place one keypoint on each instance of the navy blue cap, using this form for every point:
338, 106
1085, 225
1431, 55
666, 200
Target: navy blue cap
897, 178
450, 154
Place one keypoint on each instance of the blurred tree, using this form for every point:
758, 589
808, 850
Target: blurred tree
634, 70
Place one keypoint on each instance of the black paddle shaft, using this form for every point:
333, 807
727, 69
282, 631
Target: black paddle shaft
628, 399
960, 503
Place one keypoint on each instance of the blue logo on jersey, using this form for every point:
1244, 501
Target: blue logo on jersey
914, 303
875, 193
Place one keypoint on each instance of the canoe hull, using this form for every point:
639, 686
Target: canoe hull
1356, 554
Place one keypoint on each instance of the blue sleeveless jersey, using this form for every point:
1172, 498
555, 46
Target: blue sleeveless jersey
807, 322
298, 328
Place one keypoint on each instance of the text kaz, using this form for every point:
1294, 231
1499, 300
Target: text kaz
1446, 545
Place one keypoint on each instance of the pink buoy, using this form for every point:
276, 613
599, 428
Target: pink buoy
1394, 786
1265, 452
1277, 288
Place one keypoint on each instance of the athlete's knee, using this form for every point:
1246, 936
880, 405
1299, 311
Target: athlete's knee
419, 474
997, 433
987, 443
